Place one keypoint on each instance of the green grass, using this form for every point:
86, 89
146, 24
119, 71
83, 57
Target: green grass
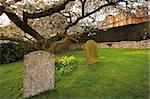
120, 74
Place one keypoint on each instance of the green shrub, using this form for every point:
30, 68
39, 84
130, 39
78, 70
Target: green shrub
10, 52
66, 64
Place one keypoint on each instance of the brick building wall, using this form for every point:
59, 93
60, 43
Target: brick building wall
125, 18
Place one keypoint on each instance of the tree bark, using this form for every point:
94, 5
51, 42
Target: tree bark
24, 27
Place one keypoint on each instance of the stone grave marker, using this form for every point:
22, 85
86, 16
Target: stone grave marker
91, 50
39, 73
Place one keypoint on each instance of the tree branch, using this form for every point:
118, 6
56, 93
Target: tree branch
67, 16
83, 4
1, 10
4, 5
24, 27
88, 14
57, 43
50, 11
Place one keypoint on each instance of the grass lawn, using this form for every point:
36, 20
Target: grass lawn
120, 74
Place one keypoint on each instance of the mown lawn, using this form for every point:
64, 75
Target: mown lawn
120, 74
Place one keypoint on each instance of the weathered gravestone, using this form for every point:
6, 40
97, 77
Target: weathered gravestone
39, 73
91, 50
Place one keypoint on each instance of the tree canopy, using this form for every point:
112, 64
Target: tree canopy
58, 15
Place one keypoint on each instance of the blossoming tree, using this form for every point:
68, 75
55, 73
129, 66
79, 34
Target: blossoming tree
39, 19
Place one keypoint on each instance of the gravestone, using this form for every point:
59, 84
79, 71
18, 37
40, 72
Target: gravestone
39, 73
91, 50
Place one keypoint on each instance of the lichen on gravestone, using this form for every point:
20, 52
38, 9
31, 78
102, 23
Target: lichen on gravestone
91, 50
39, 73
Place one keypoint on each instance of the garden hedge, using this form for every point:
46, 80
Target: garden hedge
10, 52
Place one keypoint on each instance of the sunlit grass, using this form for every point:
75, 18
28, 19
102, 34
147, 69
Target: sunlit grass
120, 73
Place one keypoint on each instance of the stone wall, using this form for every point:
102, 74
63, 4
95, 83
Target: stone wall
144, 44
127, 44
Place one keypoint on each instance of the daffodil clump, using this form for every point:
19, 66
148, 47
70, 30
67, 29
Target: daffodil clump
66, 64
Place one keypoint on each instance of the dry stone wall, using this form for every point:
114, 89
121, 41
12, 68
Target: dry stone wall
144, 44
